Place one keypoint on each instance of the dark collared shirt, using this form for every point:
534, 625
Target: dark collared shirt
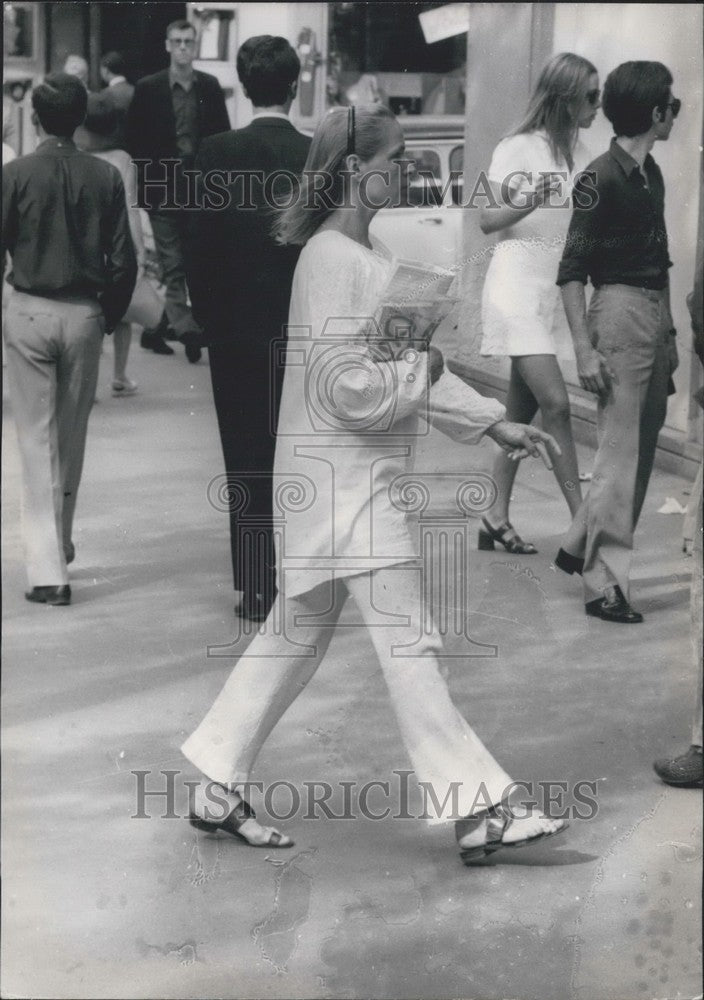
185, 101
617, 234
64, 223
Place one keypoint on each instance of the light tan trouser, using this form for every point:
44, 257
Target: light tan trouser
629, 326
53, 353
440, 744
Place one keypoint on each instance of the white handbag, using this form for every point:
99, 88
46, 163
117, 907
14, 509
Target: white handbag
146, 305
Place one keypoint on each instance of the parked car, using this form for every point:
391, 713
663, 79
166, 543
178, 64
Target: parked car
428, 226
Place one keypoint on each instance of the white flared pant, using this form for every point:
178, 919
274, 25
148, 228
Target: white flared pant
442, 747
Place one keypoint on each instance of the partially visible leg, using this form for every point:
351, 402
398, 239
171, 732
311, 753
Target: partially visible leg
442, 747
627, 331
32, 336
263, 684
167, 230
521, 406
121, 340
652, 419
541, 373
459, 774
76, 381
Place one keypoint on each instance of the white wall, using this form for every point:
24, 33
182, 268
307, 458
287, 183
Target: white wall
609, 34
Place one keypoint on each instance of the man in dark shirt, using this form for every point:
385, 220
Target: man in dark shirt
625, 344
240, 280
64, 223
171, 113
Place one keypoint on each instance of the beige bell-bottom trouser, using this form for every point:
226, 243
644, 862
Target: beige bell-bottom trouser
53, 354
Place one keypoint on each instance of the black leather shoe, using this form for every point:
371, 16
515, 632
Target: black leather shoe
568, 563
56, 596
685, 771
155, 342
253, 608
192, 344
613, 607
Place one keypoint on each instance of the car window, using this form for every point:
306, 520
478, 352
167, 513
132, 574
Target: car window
425, 179
456, 173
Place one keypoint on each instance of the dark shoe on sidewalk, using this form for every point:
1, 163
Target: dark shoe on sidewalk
192, 343
568, 563
56, 596
151, 341
613, 607
685, 771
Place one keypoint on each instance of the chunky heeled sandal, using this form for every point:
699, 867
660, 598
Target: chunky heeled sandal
233, 822
498, 819
568, 563
513, 543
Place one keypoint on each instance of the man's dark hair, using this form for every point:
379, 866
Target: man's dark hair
631, 92
114, 62
102, 116
267, 66
181, 25
60, 103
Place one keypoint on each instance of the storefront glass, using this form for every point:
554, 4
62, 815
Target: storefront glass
377, 51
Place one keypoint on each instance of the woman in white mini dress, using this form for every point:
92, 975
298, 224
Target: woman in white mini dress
348, 422
531, 177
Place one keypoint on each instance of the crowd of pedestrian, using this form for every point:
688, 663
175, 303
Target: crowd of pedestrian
113, 163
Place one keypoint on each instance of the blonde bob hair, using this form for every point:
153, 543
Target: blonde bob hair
325, 179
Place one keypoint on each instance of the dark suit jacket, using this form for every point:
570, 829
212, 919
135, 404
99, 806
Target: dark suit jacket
151, 124
233, 258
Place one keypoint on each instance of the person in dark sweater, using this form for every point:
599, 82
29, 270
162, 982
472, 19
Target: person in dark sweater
240, 281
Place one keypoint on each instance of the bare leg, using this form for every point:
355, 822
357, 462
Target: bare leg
521, 406
121, 339
541, 373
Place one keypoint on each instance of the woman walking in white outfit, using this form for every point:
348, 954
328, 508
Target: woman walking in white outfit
531, 177
348, 420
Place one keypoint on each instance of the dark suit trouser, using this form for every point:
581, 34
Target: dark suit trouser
630, 327
247, 375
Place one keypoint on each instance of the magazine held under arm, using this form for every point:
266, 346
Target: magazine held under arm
414, 303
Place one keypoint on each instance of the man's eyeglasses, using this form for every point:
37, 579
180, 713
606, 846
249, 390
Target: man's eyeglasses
187, 43
675, 104
593, 97
350, 130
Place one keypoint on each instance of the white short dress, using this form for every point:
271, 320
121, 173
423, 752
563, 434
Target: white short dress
348, 424
521, 304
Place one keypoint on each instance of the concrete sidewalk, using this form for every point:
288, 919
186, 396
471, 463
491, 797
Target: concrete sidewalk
99, 904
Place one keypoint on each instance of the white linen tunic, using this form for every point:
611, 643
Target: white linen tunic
348, 423
522, 309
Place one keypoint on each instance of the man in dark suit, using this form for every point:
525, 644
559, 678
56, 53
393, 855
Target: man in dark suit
240, 281
171, 113
112, 72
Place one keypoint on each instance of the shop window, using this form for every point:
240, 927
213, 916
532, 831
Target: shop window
425, 179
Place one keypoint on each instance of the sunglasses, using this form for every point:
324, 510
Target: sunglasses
350, 130
675, 104
593, 97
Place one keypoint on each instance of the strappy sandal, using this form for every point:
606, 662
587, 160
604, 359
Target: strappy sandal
498, 819
232, 823
505, 535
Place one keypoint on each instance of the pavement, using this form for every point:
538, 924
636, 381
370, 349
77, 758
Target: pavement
98, 903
